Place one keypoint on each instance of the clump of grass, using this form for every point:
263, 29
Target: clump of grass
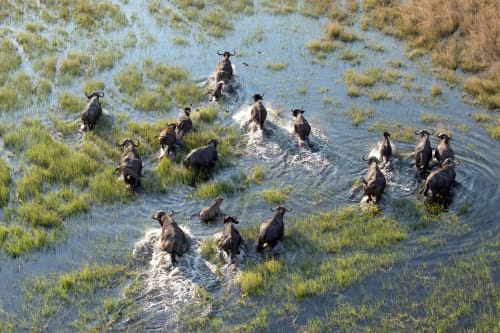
209, 249
206, 114
10, 59
181, 41
336, 31
251, 282
322, 48
358, 115
106, 59
37, 215
47, 67
43, 90
8, 99
216, 23
435, 90
106, 187
379, 94
5, 180
214, 189
277, 195
187, 92
430, 118
279, 8
258, 174
276, 66
20, 240
153, 100
129, 80
165, 74
353, 90
75, 64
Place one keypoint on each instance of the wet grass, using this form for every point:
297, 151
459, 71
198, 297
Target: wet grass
56, 182
75, 64
339, 249
359, 115
20, 239
276, 66
5, 181
428, 34
275, 196
70, 103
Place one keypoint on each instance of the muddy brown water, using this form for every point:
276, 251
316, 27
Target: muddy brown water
322, 174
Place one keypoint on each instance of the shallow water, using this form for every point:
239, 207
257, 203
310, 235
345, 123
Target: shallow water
322, 172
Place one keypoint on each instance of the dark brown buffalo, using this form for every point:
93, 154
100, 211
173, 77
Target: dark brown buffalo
230, 239
374, 183
210, 212
423, 151
385, 150
441, 180
202, 157
130, 165
168, 139
258, 113
172, 237
443, 150
92, 110
272, 229
184, 123
224, 69
301, 126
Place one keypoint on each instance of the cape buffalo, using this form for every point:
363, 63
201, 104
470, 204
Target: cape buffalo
440, 181
224, 69
211, 211
184, 123
172, 237
217, 94
443, 150
202, 157
423, 151
258, 113
272, 229
130, 165
301, 126
230, 239
385, 150
92, 110
374, 182
168, 138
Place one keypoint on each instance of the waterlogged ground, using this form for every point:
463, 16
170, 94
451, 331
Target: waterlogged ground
343, 266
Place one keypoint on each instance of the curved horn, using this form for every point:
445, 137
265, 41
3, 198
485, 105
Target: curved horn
419, 132
286, 210
234, 53
119, 144
218, 52
272, 210
136, 145
364, 159
171, 213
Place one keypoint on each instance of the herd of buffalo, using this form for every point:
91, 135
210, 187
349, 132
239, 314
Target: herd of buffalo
173, 239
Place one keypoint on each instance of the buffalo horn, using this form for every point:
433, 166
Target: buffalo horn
218, 52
